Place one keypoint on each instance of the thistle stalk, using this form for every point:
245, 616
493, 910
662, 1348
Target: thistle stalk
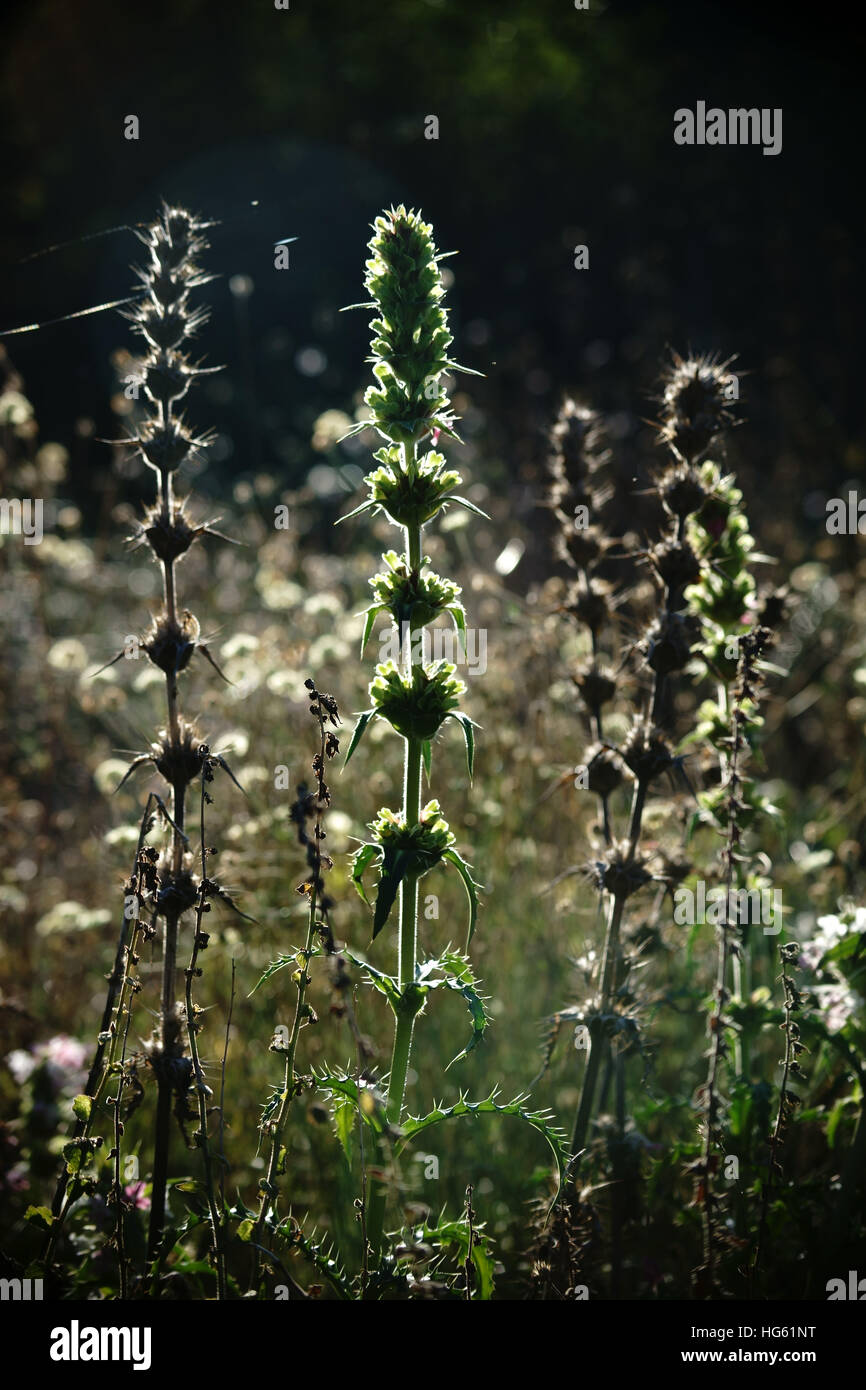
407, 404
165, 320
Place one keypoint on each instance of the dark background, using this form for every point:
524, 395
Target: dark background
556, 127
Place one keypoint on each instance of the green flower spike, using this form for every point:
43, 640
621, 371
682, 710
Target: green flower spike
417, 706
405, 851
411, 496
410, 339
412, 598
723, 598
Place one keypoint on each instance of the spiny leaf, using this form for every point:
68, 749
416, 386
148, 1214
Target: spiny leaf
458, 1233
370, 1104
320, 1256
280, 963
470, 885
458, 976
385, 984
539, 1120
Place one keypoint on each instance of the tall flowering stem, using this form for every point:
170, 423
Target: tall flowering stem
166, 320
408, 405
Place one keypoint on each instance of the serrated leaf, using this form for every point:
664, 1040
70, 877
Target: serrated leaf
457, 1233
371, 1105
385, 984
539, 1120
364, 719
470, 885
458, 976
276, 965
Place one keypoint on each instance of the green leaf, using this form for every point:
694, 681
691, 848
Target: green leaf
371, 1105
365, 506
470, 885
82, 1107
467, 726
358, 731
458, 976
370, 615
385, 984
539, 1120
39, 1216
279, 964
395, 863
457, 1233
74, 1155
245, 1229
470, 506
427, 757
362, 860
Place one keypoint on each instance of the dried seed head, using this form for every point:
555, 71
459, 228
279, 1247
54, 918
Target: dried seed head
167, 531
646, 752
170, 643
681, 490
675, 563
620, 872
165, 447
589, 603
577, 444
667, 643
579, 546
166, 376
179, 760
695, 405
177, 893
596, 685
604, 769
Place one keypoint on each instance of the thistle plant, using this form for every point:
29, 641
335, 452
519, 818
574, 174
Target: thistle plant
165, 319
645, 757
410, 409
408, 404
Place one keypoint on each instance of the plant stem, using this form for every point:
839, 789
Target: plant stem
199, 941
408, 931
268, 1186
597, 1036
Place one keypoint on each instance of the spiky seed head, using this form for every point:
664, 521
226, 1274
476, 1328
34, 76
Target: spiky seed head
696, 405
